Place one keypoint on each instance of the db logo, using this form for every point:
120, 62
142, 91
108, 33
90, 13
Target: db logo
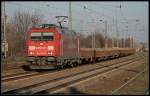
40, 47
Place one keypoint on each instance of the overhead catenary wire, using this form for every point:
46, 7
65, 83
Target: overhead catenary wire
111, 5
31, 7
102, 14
93, 11
48, 5
97, 13
41, 5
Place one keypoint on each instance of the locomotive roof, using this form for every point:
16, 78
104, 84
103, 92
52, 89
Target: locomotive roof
63, 30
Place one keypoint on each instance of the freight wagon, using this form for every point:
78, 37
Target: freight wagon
90, 55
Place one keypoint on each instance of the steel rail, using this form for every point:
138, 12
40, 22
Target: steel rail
55, 91
147, 92
116, 90
5, 89
6, 73
15, 76
70, 79
26, 74
18, 73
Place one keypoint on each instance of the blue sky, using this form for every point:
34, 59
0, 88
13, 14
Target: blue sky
99, 10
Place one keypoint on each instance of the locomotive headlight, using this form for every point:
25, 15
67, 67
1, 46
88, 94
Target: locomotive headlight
31, 53
31, 47
50, 53
50, 47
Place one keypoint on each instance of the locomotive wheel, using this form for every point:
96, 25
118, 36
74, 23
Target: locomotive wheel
92, 61
30, 62
72, 65
60, 65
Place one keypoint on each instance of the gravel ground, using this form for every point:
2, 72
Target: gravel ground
8, 66
103, 85
106, 84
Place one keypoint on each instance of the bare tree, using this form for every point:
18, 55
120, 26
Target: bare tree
22, 20
127, 42
86, 41
99, 40
16, 31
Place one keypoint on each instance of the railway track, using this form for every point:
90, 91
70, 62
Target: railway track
81, 85
9, 66
19, 75
34, 85
24, 74
67, 80
116, 91
11, 72
16, 73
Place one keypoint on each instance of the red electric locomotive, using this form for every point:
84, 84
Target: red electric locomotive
50, 46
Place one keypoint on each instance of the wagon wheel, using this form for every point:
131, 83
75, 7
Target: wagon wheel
61, 66
79, 62
71, 64
74, 64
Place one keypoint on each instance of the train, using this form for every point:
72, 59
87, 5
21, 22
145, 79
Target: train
52, 47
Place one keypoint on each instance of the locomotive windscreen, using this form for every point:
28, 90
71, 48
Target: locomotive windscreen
36, 36
48, 36
42, 36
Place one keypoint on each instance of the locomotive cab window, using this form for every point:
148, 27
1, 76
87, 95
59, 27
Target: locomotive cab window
48, 36
36, 36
